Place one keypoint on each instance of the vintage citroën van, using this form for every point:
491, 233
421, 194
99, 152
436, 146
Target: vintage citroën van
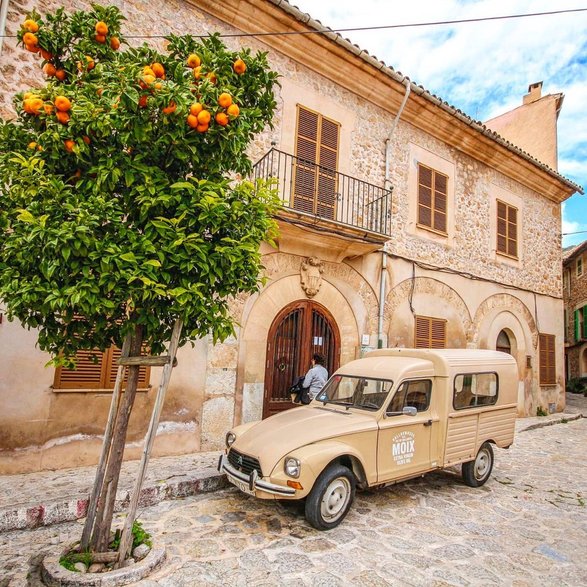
390, 416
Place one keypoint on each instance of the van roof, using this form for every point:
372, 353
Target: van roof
445, 360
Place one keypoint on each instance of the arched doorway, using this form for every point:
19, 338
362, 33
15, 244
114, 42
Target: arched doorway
301, 329
503, 343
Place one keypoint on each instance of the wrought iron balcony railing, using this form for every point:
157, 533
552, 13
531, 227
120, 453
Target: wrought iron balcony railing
323, 193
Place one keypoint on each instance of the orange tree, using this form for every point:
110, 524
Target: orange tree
122, 209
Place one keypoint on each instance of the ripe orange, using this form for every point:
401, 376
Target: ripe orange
62, 103
157, 85
198, 72
114, 43
62, 117
30, 39
170, 109
48, 108
143, 101
86, 139
49, 69
101, 28
149, 79
233, 110
192, 121
45, 54
69, 145
90, 63
158, 70
33, 106
32, 48
32, 145
239, 66
212, 77
202, 128
100, 38
221, 118
193, 60
196, 108
148, 70
225, 100
61, 74
204, 117
30, 25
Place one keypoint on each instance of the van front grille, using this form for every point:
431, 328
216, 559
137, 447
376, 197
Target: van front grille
243, 463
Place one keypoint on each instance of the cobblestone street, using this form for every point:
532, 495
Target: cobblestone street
527, 526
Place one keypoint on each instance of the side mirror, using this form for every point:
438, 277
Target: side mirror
409, 411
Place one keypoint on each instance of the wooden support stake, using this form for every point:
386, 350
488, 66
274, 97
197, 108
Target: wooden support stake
106, 445
126, 538
145, 361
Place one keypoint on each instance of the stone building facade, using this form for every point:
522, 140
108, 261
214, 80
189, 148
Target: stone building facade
399, 240
575, 316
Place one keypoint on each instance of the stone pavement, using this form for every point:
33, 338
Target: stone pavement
526, 526
49, 497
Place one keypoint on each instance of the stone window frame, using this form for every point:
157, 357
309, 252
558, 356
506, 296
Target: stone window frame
420, 156
509, 228
579, 266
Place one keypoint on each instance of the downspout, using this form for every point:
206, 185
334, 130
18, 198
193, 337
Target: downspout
387, 185
3, 13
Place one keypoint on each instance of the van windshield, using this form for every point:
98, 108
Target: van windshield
355, 392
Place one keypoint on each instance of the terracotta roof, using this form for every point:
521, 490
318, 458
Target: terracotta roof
569, 253
311, 23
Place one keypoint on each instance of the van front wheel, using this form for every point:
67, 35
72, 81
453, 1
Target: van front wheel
331, 497
476, 472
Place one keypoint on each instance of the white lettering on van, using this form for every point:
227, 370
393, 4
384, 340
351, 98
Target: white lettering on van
403, 446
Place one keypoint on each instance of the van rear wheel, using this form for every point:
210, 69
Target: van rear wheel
331, 497
476, 472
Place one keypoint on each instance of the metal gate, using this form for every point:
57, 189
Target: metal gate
299, 330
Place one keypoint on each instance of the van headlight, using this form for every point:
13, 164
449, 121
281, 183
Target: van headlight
230, 438
292, 467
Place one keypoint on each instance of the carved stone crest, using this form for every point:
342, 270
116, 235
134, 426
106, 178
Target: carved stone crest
311, 275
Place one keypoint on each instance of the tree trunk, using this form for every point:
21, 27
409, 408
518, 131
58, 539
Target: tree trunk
105, 508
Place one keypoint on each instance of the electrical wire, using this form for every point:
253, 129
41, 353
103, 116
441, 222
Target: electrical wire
369, 28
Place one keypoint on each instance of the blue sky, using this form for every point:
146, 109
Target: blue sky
485, 68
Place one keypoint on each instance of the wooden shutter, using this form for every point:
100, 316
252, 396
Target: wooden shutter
430, 333
547, 359
577, 326
584, 311
315, 179
97, 374
432, 198
507, 229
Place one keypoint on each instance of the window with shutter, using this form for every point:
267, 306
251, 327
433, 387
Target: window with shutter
95, 370
430, 333
579, 266
432, 199
547, 359
507, 229
315, 179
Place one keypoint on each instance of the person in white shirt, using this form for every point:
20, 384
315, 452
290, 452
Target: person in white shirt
316, 376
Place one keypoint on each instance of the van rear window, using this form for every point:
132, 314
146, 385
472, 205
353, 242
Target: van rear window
475, 389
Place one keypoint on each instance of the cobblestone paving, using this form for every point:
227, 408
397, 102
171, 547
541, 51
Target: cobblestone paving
526, 527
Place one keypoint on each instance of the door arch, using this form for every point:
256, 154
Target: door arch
301, 329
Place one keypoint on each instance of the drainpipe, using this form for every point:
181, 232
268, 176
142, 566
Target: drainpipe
386, 184
3, 13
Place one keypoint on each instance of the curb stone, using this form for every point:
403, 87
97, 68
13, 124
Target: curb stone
559, 419
74, 508
54, 575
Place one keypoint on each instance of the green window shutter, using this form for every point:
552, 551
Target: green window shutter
584, 321
577, 333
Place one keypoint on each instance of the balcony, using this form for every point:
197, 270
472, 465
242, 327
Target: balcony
329, 212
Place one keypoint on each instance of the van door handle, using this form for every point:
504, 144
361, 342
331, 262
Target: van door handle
428, 423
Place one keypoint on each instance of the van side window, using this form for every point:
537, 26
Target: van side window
411, 393
475, 389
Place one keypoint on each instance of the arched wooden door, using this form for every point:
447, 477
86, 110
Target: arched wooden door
301, 329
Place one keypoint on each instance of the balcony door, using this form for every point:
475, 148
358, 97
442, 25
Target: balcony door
301, 329
315, 178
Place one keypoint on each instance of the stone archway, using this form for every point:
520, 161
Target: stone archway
446, 300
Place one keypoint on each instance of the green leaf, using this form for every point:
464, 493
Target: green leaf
152, 262
25, 216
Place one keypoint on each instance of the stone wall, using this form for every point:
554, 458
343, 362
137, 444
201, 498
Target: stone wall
575, 297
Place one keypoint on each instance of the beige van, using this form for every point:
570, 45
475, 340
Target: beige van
390, 416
